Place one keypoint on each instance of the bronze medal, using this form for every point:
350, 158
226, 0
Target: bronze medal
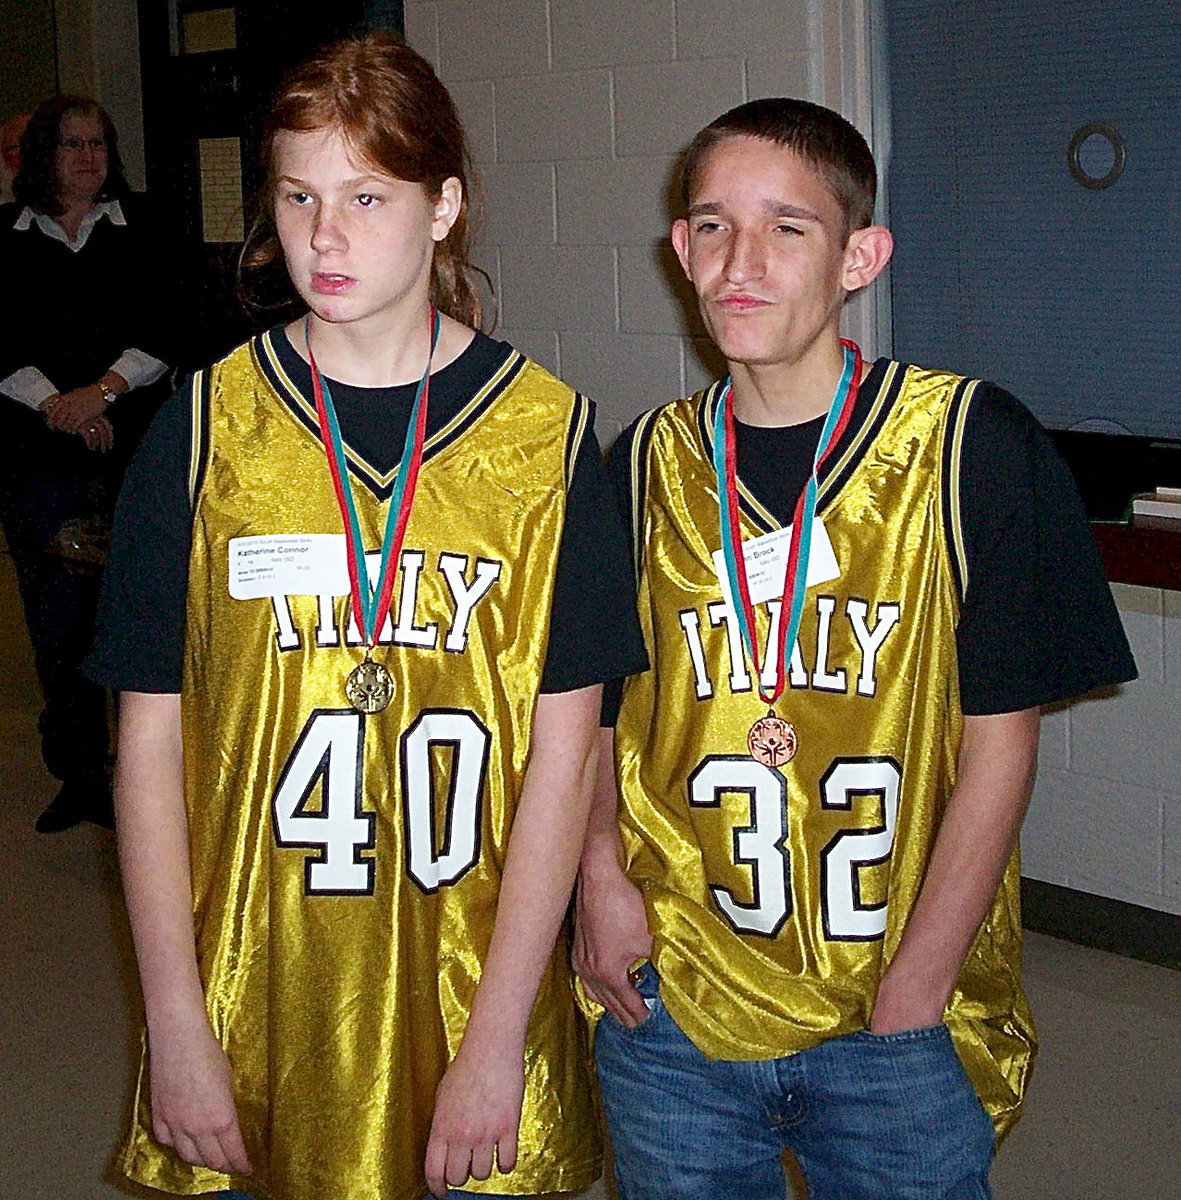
369, 687
772, 741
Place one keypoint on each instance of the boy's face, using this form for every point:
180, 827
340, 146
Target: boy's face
764, 245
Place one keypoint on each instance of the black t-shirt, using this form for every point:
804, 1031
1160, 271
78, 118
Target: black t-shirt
1038, 623
139, 642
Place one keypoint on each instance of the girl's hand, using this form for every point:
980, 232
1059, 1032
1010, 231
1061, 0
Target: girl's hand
477, 1115
193, 1102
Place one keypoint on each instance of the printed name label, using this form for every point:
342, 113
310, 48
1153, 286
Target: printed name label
295, 564
766, 563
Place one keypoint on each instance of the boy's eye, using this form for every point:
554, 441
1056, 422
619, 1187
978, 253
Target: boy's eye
708, 225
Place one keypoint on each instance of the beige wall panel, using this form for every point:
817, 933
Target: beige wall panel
624, 373
518, 204
613, 202
565, 115
476, 101
422, 30
557, 287
659, 107
708, 28
788, 75
483, 40
654, 295
610, 32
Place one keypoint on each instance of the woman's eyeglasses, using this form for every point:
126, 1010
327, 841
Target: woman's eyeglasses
79, 144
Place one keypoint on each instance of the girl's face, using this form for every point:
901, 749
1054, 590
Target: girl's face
358, 243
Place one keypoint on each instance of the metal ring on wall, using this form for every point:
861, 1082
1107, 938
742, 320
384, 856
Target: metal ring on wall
1094, 147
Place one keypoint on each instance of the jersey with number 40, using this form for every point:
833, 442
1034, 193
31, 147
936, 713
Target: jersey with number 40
777, 896
346, 867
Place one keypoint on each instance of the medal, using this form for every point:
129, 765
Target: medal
370, 686
772, 741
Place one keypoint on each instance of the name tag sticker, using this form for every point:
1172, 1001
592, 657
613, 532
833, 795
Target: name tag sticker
288, 564
766, 563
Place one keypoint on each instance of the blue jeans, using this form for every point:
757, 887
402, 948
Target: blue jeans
869, 1117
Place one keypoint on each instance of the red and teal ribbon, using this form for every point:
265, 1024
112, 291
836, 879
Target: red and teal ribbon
371, 605
795, 580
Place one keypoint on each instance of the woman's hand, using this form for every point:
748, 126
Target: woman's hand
73, 411
193, 1102
477, 1115
99, 435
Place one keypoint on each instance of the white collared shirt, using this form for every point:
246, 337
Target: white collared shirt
49, 227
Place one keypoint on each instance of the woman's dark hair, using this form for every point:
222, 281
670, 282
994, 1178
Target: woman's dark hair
395, 114
37, 183
821, 137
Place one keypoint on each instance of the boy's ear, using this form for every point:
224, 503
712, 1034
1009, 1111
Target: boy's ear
680, 240
866, 254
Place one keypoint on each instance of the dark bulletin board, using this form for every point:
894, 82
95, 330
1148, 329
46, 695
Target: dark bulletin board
1005, 266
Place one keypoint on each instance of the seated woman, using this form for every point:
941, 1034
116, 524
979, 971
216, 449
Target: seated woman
80, 331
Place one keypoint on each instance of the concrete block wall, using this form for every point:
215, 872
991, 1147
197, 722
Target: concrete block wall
1106, 811
575, 113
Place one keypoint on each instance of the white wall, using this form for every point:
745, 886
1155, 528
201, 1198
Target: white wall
1106, 812
575, 112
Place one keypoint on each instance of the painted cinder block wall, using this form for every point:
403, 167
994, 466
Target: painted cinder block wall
1106, 813
575, 113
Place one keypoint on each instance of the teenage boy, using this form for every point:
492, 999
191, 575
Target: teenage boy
822, 777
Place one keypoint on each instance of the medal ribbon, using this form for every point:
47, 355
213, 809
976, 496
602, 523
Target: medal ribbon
371, 605
795, 579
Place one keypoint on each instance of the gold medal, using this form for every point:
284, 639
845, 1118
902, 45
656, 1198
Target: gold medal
369, 687
772, 741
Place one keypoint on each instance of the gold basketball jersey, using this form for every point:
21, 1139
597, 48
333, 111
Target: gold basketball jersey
777, 896
346, 867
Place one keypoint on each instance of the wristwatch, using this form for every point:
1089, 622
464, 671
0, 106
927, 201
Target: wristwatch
108, 394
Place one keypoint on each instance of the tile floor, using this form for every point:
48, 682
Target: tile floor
1103, 1122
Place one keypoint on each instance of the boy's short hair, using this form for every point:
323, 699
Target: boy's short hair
821, 137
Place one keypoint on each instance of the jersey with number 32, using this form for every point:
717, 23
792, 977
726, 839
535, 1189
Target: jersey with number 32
777, 896
346, 867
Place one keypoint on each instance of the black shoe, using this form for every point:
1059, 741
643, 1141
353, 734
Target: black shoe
79, 800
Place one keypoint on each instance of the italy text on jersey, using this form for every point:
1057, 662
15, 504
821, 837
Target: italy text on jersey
826, 675
404, 630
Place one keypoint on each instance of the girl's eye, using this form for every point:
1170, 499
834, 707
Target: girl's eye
366, 200
298, 197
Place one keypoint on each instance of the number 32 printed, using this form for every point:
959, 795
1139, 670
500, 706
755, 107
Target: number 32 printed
329, 749
762, 845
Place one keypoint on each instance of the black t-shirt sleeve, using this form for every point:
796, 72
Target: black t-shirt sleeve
594, 630
139, 633
1038, 622
619, 473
